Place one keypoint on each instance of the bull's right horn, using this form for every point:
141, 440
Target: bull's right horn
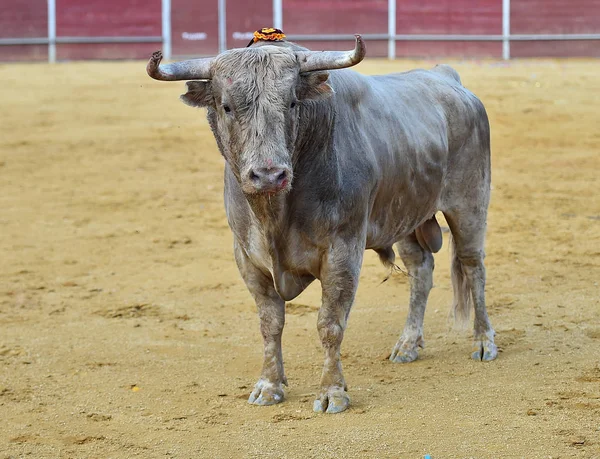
311, 61
194, 69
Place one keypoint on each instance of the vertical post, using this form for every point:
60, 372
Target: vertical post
222, 26
166, 29
505, 29
52, 31
391, 29
278, 14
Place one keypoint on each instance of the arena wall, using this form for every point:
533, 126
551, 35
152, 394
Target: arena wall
195, 26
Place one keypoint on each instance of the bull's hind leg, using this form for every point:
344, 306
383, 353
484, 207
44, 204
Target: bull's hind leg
468, 226
271, 311
419, 263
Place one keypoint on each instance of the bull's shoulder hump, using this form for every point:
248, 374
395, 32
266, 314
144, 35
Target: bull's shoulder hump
447, 71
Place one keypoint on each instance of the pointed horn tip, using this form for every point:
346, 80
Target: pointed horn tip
153, 63
361, 48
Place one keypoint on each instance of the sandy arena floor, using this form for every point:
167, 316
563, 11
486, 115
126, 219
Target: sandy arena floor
126, 331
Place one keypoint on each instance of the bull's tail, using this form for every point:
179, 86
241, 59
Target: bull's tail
387, 257
462, 304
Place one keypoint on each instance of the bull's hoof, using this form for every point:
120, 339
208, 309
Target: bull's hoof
331, 400
406, 350
266, 393
404, 356
484, 350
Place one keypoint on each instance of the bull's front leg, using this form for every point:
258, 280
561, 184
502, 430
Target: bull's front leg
271, 312
339, 278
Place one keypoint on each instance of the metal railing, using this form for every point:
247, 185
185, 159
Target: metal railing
391, 36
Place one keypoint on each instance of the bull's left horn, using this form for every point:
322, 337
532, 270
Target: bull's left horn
311, 61
194, 69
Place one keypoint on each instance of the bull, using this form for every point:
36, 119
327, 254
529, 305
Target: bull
321, 163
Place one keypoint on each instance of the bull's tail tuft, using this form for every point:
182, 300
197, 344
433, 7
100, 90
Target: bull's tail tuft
387, 257
462, 304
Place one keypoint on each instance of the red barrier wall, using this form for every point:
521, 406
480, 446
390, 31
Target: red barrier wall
23, 18
194, 25
107, 18
241, 18
555, 17
194, 28
302, 17
456, 17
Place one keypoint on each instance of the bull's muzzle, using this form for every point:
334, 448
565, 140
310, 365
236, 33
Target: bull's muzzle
268, 180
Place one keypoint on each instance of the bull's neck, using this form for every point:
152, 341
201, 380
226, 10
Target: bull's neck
314, 156
269, 210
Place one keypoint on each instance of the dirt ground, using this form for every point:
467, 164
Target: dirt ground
126, 331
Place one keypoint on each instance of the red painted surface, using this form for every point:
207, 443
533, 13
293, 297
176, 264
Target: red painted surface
244, 20
426, 17
335, 16
375, 48
449, 17
23, 18
575, 48
302, 17
457, 49
106, 51
20, 53
416, 49
555, 17
453, 17
108, 18
195, 25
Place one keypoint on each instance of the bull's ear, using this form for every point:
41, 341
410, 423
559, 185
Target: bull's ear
198, 94
314, 86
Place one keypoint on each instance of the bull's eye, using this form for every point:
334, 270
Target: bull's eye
226, 108
293, 104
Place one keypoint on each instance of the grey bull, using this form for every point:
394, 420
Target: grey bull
323, 163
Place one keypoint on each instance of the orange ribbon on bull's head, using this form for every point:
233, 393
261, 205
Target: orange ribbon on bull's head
267, 34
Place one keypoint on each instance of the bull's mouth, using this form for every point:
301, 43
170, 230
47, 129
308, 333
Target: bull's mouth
280, 187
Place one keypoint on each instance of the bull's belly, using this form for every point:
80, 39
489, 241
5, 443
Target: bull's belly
392, 223
407, 194
383, 236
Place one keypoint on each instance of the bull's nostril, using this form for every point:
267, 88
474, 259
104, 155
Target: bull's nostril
268, 179
281, 177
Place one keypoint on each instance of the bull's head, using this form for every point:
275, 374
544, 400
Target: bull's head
252, 96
